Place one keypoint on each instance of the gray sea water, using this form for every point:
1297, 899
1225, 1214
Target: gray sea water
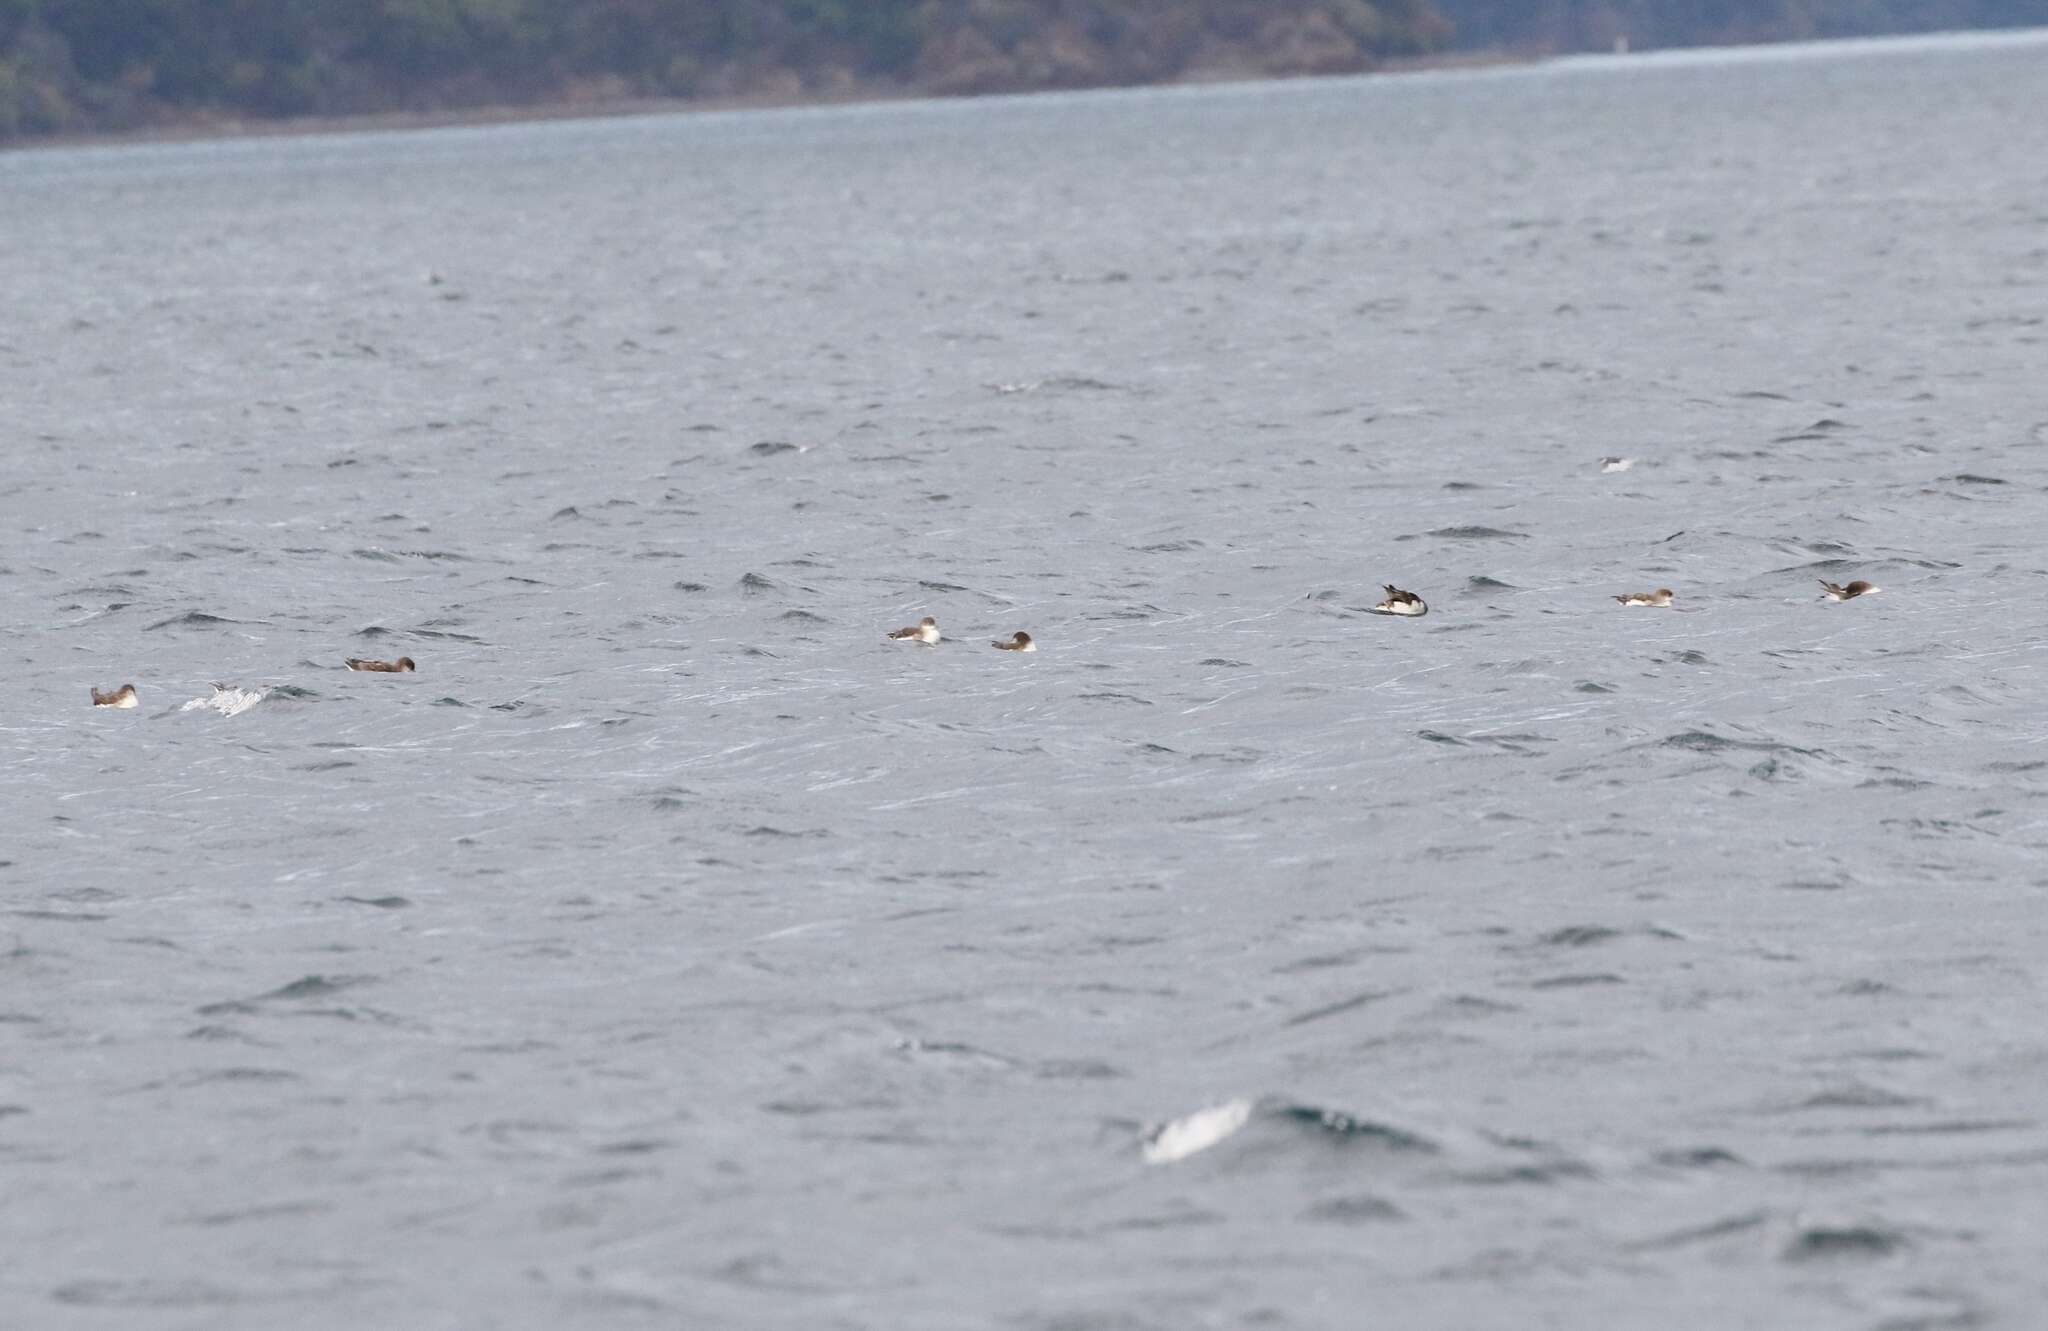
671, 950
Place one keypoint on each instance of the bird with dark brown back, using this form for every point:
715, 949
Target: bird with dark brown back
121, 697
926, 631
1399, 602
401, 665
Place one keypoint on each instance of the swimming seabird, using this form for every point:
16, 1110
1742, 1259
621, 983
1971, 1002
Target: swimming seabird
1660, 597
121, 697
1399, 602
402, 664
926, 632
1020, 643
1848, 593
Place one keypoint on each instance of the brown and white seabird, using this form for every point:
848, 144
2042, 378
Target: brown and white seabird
1399, 602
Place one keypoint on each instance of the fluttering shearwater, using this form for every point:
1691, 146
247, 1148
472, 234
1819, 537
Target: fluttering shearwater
401, 665
1848, 593
1399, 602
1020, 643
926, 632
1660, 597
121, 697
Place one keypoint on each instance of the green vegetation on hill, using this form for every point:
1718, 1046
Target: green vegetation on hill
1578, 25
81, 65
85, 64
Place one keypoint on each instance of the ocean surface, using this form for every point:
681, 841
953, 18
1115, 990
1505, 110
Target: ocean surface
671, 950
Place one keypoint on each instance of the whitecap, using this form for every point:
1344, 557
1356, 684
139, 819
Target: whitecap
227, 699
1192, 1133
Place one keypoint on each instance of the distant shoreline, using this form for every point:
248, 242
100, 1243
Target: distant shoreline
201, 126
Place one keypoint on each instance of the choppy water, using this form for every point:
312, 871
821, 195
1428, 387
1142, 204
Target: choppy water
670, 950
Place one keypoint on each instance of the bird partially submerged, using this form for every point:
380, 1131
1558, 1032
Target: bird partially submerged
121, 697
400, 666
1019, 643
1850, 592
926, 632
1399, 602
1661, 597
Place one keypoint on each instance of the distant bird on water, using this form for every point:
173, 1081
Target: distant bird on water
1661, 597
121, 697
400, 666
1399, 602
1616, 464
1848, 593
1019, 643
926, 632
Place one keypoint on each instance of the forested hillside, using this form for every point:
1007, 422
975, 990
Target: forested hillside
1574, 25
77, 64
80, 65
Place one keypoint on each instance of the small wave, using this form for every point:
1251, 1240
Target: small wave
1697, 1157
1351, 1130
1580, 935
1062, 383
1833, 1243
305, 987
1478, 534
194, 619
227, 700
1177, 1139
393, 556
1578, 981
1704, 741
1355, 1210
